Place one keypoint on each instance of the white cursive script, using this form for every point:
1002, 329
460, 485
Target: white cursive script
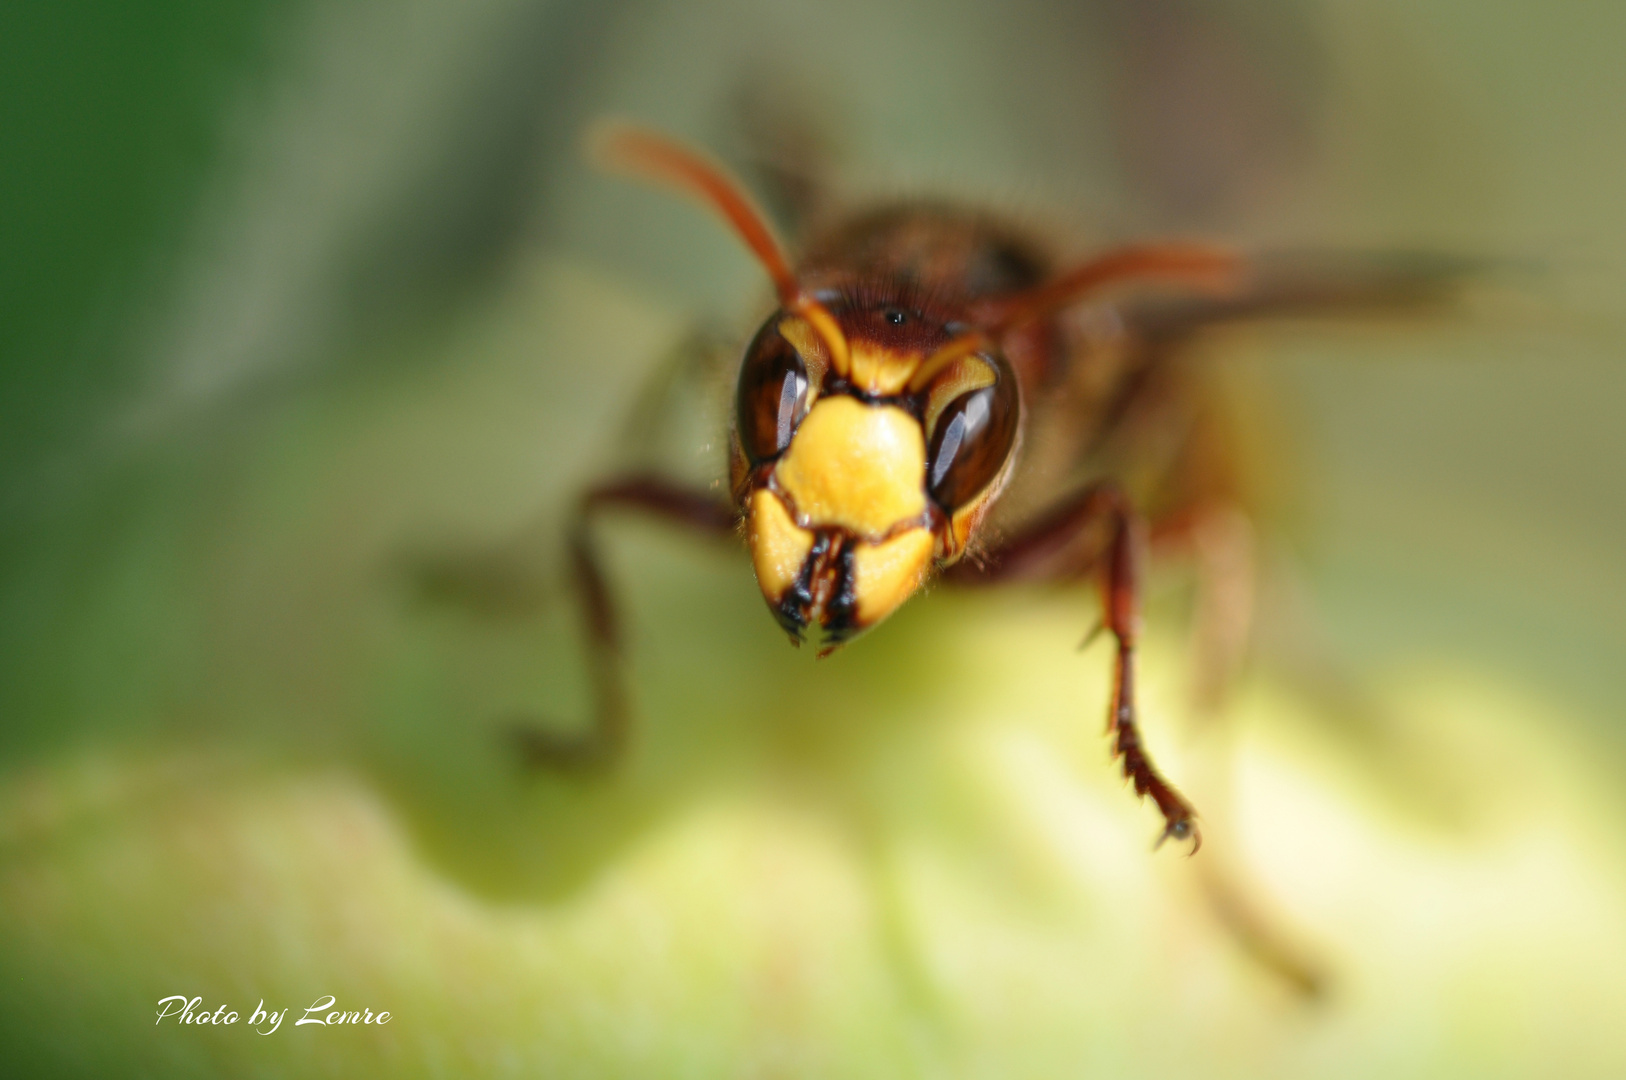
185, 1011
261, 1016
337, 1017
180, 1007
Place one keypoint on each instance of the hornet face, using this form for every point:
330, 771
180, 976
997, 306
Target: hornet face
858, 473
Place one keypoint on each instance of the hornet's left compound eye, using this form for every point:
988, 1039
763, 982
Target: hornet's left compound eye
772, 395
971, 442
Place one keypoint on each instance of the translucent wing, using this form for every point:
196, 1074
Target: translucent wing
1127, 406
678, 424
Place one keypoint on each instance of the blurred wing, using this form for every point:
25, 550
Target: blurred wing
784, 133
1287, 286
1125, 406
678, 426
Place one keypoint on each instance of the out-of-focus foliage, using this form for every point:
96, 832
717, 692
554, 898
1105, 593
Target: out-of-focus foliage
295, 296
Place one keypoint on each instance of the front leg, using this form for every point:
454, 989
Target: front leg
1096, 531
603, 742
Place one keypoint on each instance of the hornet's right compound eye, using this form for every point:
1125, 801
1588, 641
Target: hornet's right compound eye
772, 395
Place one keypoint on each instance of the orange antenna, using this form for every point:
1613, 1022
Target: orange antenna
1207, 268
637, 151
1189, 264
962, 346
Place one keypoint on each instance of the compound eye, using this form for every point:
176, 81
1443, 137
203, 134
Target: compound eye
772, 395
972, 439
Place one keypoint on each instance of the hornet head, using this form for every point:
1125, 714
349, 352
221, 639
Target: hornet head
865, 451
